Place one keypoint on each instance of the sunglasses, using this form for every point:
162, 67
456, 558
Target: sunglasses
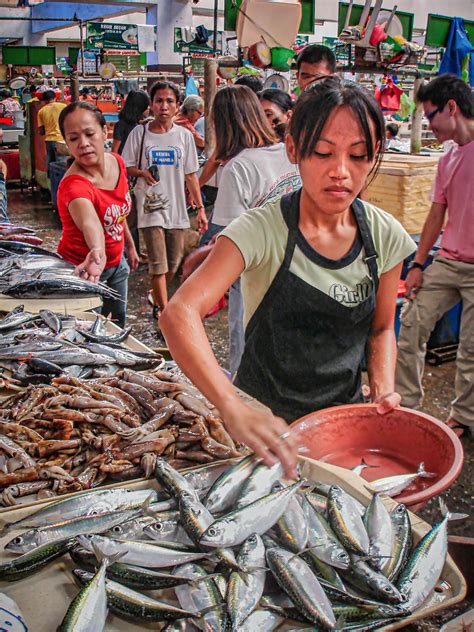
432, 114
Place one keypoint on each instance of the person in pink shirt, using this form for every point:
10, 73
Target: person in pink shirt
448, 105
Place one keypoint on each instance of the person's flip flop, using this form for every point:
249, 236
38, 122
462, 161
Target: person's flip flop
457, 427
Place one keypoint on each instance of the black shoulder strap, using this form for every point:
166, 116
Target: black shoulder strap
371, 255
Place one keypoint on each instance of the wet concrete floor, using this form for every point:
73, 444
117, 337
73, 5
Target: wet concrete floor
36, 212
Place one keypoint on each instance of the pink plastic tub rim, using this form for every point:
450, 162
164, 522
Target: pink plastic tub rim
423, 496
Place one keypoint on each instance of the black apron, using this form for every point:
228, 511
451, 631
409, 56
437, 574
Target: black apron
304, 349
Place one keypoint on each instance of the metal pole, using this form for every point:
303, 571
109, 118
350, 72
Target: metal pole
216, 10
416, 118
81, 35
210, 76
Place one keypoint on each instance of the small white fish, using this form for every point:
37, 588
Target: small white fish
394, 485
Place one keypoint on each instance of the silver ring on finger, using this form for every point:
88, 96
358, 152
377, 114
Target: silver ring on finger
285, 435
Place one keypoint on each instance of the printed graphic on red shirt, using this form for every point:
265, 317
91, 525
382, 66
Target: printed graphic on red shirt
114, 218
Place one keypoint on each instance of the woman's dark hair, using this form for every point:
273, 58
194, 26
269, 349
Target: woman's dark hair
254, 83
5, 93
135, 104
446, 87
240, 122
164, 85
278, 97
81, 105
317, 103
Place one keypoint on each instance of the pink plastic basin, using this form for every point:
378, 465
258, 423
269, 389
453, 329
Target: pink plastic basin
396, 443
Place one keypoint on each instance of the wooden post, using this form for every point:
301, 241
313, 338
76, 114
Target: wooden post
74, 86
210, 76
416, 118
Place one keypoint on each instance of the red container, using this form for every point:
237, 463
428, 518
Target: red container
396, 443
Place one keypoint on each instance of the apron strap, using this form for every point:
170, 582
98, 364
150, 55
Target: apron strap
290, 209
371, 255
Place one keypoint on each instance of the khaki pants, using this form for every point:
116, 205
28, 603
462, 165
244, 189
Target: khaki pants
445, 283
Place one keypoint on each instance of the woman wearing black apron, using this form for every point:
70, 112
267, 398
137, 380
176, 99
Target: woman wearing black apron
320, 272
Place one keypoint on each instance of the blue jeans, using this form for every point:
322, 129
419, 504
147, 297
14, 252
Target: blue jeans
236, 326
3, 199
51, 154
116, 278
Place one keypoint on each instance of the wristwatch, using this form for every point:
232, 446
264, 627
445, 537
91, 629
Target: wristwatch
415, 264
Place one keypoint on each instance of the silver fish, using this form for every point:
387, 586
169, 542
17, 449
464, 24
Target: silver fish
425, 565
225, 490
345, 520
379, 527
299, 582
173, 481
322, 541
246, 586
394, 485
259, 483
99, 523
233, 528
84, 504
141, 553
261, 620
370, 581
402, 542
88, 611
292, 529
201, 596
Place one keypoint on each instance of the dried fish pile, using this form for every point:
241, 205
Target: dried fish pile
241, 549
76, 434
36, 347
29, 271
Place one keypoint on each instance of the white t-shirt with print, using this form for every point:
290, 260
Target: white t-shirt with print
174, 153
261, 237
251, 179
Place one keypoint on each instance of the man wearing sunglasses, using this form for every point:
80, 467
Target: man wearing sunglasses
448, 105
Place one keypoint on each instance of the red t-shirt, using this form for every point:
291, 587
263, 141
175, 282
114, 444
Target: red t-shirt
112, 207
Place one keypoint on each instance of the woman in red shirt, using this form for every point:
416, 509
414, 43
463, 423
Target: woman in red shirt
93, 203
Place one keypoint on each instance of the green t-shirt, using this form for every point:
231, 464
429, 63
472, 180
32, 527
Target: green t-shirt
261, 235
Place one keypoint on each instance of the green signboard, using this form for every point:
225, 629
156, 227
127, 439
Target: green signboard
191, 48
112, 36
438, 27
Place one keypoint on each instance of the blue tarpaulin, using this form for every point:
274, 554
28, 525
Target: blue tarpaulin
457, 47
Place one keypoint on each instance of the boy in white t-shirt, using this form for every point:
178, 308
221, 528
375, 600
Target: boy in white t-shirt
162, 157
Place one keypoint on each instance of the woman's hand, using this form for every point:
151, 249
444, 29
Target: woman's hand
202, 221
261, 431
132, 257
92, 266
387, 402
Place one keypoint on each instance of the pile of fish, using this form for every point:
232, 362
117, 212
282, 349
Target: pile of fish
29, 271
12, 232
76, 434
36, 347
243, 551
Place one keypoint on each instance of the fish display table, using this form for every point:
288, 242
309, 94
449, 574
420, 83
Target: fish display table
45, 597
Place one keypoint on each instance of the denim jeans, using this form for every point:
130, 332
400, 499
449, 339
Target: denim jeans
51, 154
116, 278
3, 199
236, 326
